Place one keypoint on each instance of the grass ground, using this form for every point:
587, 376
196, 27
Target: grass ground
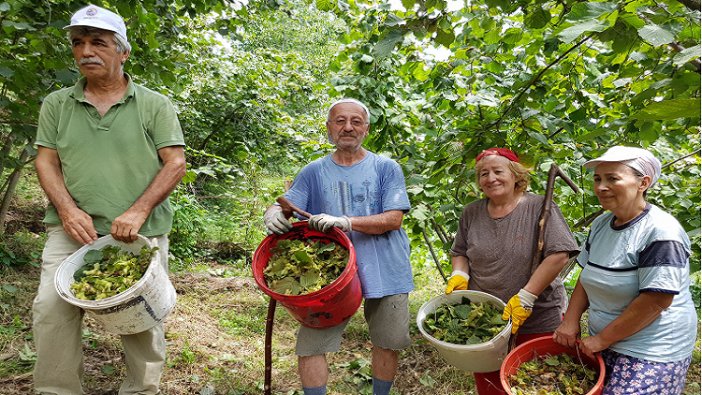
216, 343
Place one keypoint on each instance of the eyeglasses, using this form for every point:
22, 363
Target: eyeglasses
355, 122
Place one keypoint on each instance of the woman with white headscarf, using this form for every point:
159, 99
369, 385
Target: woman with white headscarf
634, 282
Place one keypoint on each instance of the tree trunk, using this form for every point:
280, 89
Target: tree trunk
5, 151
691, 4
10, 191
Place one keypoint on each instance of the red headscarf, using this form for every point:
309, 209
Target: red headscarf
507, 153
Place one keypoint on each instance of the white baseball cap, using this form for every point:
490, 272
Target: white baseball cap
637, 158
100, 18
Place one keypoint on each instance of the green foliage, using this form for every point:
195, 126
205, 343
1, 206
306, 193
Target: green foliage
110, 270
466, 322
190, 221
35, 59
552, 375
298, 267
21, 248
359, 375
186, 356
557, 81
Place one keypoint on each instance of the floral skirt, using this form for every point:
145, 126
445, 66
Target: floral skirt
629, 375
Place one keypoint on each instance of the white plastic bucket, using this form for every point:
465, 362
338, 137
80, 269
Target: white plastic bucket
483, 357
141, 307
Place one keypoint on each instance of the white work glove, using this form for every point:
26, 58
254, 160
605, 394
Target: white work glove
275, 221
324, 222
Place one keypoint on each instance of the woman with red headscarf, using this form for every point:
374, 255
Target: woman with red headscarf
494, 249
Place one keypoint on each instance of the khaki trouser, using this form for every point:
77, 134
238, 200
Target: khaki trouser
57, 333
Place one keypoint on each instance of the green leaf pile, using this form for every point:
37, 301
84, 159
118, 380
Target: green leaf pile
109, 271
465, 323
298, 267
552, 375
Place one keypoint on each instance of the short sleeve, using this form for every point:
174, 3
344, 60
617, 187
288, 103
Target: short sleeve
47, 127
393, 188
558, 237
299, 192
663, 267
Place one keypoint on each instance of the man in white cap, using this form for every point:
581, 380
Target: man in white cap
109, 153
363, 194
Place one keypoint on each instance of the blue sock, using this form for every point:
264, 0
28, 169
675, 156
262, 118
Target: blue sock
381, 387
315, 390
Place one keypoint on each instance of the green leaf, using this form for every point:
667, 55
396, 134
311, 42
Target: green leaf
302, 257
325, 5
408, 4
108, 369
655, 35
670, 109
9, 288
66, 76
552, 360
427, 381
586, 11
309, 278
92, 256
632, 20
571, 33
387, 44
537, 18
420, 213
504, 4
326, 247
190, 177
687, 55
512, 35
6, 72
18, 25
445, 38
287, 285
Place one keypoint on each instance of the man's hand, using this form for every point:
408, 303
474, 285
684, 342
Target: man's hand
324, 222
457, 281
275, 221
518, 308
126, 227
79, 225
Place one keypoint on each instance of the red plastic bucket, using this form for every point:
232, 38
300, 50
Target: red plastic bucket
546, 346
330, 305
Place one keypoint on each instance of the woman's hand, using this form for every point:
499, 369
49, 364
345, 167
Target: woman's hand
567, 334
592, 344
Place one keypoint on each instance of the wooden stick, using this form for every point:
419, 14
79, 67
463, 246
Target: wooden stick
289, 208
267, 357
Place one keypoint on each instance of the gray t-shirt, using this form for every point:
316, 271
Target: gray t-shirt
500, 253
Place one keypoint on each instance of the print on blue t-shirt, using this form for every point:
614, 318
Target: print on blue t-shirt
372, 186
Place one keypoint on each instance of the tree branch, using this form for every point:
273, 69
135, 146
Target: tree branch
433, 254
538, 76
681, 158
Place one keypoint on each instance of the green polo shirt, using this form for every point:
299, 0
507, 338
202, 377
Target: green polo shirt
109, 161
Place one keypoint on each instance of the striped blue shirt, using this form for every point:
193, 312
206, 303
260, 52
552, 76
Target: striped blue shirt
648, 254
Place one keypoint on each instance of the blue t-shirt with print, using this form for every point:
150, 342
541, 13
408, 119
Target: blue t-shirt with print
372, 186
649, 253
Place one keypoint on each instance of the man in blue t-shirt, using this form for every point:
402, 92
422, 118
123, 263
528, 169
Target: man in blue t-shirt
364, 195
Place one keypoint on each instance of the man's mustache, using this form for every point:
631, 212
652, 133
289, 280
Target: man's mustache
90, 61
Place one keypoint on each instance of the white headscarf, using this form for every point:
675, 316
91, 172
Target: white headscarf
638, 159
